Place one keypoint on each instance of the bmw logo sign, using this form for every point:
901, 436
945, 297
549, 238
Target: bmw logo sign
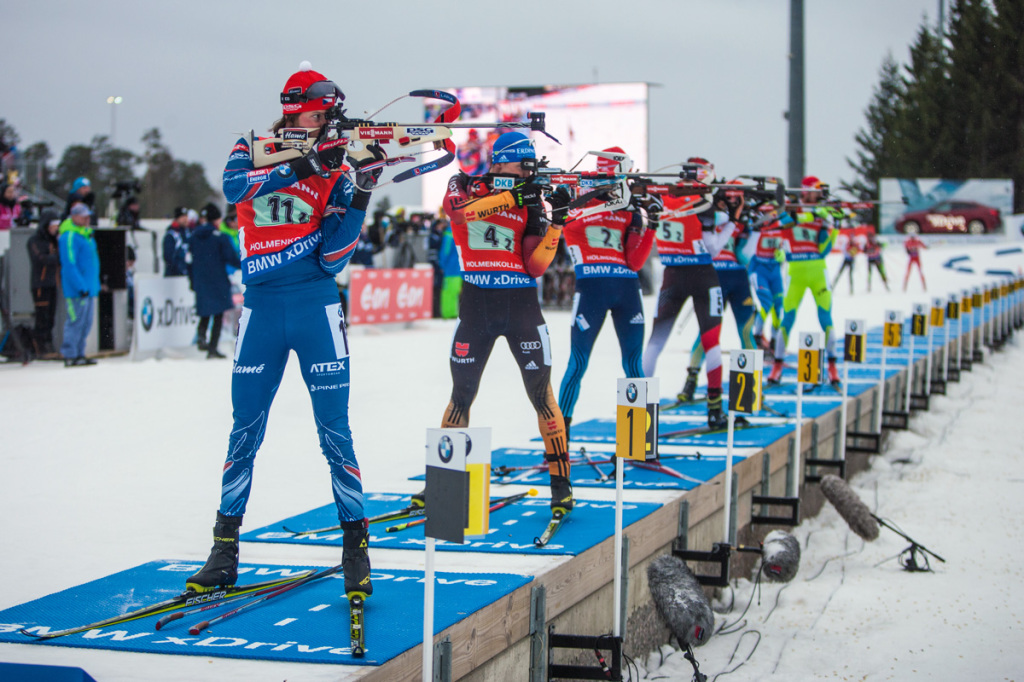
741, 361
147, 313
853, 326
808, 340
445, 449
469, 445
631, 393
892, 317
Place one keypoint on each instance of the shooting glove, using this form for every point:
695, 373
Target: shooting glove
321, 160
366, 178
526, 194
559, 200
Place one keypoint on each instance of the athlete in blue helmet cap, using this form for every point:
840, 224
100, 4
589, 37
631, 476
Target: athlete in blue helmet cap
504, 241
512, 147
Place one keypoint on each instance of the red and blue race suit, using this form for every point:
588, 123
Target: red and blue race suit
295, 236
607, 249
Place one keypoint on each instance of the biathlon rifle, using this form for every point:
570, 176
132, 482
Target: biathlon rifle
365, 139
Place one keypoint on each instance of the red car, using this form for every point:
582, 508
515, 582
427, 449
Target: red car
950, 216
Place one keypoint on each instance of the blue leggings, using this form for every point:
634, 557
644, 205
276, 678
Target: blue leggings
736, 293
308, 320
595, 297
766, 281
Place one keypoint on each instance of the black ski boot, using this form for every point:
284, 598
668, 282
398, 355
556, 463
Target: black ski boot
716, 418
355, 559
686, 395
221, 569
561, 494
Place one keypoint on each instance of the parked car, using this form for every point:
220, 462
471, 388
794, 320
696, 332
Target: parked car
951, 216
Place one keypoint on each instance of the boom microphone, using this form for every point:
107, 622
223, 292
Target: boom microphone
780, 557
680, 600
854, 512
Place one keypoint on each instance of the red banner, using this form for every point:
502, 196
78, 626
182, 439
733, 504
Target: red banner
396, 295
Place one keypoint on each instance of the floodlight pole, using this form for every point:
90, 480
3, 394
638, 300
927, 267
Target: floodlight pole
795, 115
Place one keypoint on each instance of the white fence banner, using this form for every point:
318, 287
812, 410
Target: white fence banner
165, 313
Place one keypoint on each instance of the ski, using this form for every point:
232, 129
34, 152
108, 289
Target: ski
356, 631
495, 505
411, 511
187, 598
557, 518
683, 403
262, 597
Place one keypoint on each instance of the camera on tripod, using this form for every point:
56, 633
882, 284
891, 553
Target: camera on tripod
124, 189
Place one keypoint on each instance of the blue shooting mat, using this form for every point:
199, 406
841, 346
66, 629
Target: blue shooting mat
698, 410
694, 472
308, 624
512, 528
761, 436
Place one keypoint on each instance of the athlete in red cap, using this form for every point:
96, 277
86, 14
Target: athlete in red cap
299, 222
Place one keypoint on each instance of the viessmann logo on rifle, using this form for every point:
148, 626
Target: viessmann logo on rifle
375, 133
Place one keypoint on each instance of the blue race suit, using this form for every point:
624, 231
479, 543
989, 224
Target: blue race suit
295, 236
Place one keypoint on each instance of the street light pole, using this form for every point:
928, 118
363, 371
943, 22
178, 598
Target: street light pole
113, 101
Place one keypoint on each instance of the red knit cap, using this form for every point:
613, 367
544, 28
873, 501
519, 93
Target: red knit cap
296, 87
610, 165
811, 182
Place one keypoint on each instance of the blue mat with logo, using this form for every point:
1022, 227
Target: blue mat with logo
308, 624
512, 528
689, 471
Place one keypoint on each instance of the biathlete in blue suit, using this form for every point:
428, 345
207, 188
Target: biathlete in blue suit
607, 249
299, 223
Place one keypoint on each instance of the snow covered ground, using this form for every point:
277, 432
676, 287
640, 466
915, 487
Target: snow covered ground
112, 466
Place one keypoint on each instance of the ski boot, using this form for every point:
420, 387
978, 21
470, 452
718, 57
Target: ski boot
717, 419
419, 499
355, 559
833, 374
561, 494
767, 348
221, 569
686, 395
776, 374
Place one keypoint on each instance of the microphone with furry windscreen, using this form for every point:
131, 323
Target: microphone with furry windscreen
680, 600
854, 512
865, 524
780, 556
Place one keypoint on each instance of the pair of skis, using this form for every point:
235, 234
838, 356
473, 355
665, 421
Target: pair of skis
250, 595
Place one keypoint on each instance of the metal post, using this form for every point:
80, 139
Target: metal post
796, 92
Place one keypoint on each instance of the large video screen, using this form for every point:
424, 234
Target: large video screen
581, 117
936, 206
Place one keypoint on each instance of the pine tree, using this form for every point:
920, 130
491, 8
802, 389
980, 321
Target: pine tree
1008, 39
878, 141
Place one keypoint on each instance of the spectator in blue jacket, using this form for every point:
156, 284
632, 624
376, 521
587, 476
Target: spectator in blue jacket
212, 253
176, 245
80, 281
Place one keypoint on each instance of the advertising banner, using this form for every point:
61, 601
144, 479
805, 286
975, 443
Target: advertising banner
934, 206
393, 295
165, 313
578, 116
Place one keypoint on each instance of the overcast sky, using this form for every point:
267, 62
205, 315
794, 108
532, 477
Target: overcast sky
203, 72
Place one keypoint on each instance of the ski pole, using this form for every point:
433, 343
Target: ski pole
411, 510
495, 505
199, 627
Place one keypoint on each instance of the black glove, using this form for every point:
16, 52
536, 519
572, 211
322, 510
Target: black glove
526, 194
321, 160
366, 180
559, 200
83, 294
